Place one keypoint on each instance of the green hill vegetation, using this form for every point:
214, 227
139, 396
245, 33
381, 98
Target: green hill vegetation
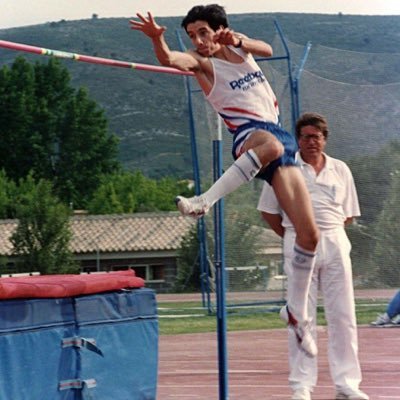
148, 111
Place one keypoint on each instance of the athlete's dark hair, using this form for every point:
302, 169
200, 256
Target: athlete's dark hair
313, 119
213, 14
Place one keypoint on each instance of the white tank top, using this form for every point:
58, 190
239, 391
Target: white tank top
241, 92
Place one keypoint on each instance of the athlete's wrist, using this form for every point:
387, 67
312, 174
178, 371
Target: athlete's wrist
239, 43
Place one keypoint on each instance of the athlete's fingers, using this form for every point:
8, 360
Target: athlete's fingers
140, 16
151, 18
136, 24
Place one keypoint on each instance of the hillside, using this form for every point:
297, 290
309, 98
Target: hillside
148, 111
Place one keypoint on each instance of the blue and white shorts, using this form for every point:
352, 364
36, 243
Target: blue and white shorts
241, 134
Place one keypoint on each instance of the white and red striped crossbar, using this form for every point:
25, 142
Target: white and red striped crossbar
90, 59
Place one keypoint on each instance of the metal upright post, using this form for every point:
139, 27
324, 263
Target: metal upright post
290, 77
296, 81
219, 236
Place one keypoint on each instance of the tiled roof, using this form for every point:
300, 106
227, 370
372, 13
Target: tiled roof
117, 233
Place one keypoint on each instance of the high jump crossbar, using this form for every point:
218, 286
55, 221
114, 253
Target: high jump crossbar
90, 59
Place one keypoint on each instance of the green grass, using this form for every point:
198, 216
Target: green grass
190, 317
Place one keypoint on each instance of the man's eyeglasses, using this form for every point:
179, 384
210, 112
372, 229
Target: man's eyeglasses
318, 137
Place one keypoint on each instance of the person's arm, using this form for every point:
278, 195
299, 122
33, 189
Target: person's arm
274, 221
228, 37
348, 221
350, 204
166, 56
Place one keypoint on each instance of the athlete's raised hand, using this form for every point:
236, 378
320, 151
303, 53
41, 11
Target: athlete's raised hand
147, 25
226, 36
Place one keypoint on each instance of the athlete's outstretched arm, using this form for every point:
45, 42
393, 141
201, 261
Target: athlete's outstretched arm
166, 56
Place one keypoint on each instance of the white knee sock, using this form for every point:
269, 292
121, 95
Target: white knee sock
302, 266
244, 169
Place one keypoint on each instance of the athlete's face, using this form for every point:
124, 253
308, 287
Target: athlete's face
202, 37
311, 141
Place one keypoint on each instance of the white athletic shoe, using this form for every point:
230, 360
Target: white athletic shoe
302, 331
301, 394
396, 320
194, 207
382, 320
351, 394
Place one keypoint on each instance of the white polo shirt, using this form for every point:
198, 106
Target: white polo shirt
333, 194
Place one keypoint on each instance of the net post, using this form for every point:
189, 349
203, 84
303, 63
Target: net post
219, 235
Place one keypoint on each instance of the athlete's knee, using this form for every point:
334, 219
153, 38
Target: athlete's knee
271, 151
276, 150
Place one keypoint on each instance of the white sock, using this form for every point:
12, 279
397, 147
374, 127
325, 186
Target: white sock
302, 268
243, 170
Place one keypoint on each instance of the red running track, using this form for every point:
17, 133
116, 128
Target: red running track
258, 367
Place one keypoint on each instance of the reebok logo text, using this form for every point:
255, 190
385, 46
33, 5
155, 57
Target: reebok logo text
248, 80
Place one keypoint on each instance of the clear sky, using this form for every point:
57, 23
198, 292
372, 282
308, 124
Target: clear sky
30, 12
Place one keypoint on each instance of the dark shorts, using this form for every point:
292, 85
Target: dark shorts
288, 140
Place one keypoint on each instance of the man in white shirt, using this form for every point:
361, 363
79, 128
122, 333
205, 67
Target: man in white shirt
335, 204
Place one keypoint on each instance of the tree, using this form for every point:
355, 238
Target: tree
41, 240
85, 150
127, 192
362, 239
188, 264
242, 242
375, 178
372, 175
55, 132
7, 197
387, 233
16, 107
